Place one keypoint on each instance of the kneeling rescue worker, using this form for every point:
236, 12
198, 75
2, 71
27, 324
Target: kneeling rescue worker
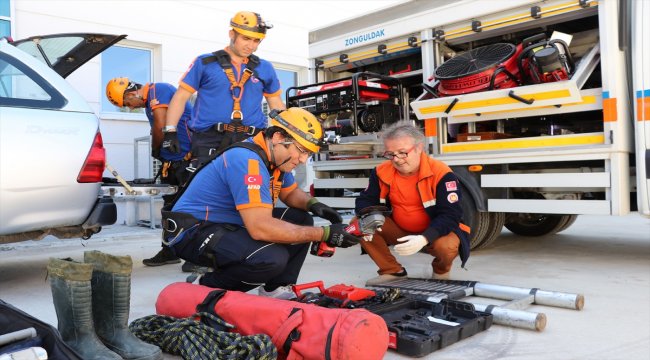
424, 196
226, 219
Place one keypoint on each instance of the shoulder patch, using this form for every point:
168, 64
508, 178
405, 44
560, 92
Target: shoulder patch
451, 186
253, 179
452, 198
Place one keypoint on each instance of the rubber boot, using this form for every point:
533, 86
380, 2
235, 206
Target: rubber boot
71, 292
111, 284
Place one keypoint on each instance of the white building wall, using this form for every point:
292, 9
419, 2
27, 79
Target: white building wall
176, 31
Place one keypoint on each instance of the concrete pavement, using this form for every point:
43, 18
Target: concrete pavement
605, 258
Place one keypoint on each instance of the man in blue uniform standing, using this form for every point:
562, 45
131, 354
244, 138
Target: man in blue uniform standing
155, 98
226, 219
231, 84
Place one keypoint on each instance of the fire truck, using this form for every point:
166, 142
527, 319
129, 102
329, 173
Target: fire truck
541, 108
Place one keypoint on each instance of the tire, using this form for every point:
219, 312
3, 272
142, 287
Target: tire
492, 231
570, 219
526, 224
478, 221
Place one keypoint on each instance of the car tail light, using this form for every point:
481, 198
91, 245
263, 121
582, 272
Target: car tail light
93, 168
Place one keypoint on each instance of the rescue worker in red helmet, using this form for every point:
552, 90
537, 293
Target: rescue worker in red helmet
232, 223
231, 84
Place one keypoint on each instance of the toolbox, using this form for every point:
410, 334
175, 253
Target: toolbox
416, 327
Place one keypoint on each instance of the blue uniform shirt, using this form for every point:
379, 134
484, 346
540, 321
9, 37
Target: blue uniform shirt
158, 95
214, 101
234, 181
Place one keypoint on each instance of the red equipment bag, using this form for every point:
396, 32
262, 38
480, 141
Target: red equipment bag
298, 330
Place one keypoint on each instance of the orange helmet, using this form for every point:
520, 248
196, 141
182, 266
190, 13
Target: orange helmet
249, 24
116, 88
301, 125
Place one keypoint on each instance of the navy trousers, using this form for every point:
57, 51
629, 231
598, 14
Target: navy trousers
240, 262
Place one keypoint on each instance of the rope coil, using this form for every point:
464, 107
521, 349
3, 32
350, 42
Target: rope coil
202, 336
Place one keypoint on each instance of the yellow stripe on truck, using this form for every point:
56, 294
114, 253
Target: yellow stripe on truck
555, 94
547, 11
525, 143
586, 100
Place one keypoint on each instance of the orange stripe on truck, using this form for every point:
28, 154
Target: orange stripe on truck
643, 109
431, 127
609, 110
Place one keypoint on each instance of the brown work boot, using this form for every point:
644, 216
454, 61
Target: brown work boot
385, 278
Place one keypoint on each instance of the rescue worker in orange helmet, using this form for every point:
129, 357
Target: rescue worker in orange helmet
232, 224
231, 84
424, 195
154, 98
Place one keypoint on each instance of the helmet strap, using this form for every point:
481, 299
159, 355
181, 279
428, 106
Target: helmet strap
273, 156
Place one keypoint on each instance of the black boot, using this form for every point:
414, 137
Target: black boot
71, 292
111, 284
163, 257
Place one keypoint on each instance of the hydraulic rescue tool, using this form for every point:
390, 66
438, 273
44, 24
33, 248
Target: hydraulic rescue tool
370, 219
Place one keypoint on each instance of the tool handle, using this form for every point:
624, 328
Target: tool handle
120, 179
27, 333
300, 287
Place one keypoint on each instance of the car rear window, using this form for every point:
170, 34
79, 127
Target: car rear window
23, 87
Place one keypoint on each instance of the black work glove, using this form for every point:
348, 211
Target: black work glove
335, 236
170, 142
155, 153
321, 210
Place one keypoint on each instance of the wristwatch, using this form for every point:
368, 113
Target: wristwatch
168, 128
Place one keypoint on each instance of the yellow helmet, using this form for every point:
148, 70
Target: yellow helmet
301, 125
116, 88
249, 24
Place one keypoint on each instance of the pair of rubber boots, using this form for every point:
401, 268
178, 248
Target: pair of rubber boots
92, 302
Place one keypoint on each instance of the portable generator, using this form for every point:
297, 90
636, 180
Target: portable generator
362, 103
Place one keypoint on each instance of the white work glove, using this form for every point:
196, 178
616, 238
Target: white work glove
410, 244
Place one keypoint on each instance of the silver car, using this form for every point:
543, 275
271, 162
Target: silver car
51, 151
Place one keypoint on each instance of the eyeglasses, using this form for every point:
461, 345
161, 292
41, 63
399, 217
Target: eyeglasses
400, 154
302, 150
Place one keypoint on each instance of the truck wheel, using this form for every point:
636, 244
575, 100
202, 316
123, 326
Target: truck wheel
479, 229
477, 221
492, 231
570, 219
536, 224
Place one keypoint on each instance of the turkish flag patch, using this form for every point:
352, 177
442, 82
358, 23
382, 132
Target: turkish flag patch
451, 186
253, 179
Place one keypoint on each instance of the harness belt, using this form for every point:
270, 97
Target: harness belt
236, 87
236, 127
218, 137
174, 224
174, 164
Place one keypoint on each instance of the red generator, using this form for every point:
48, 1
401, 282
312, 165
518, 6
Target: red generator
349, 106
